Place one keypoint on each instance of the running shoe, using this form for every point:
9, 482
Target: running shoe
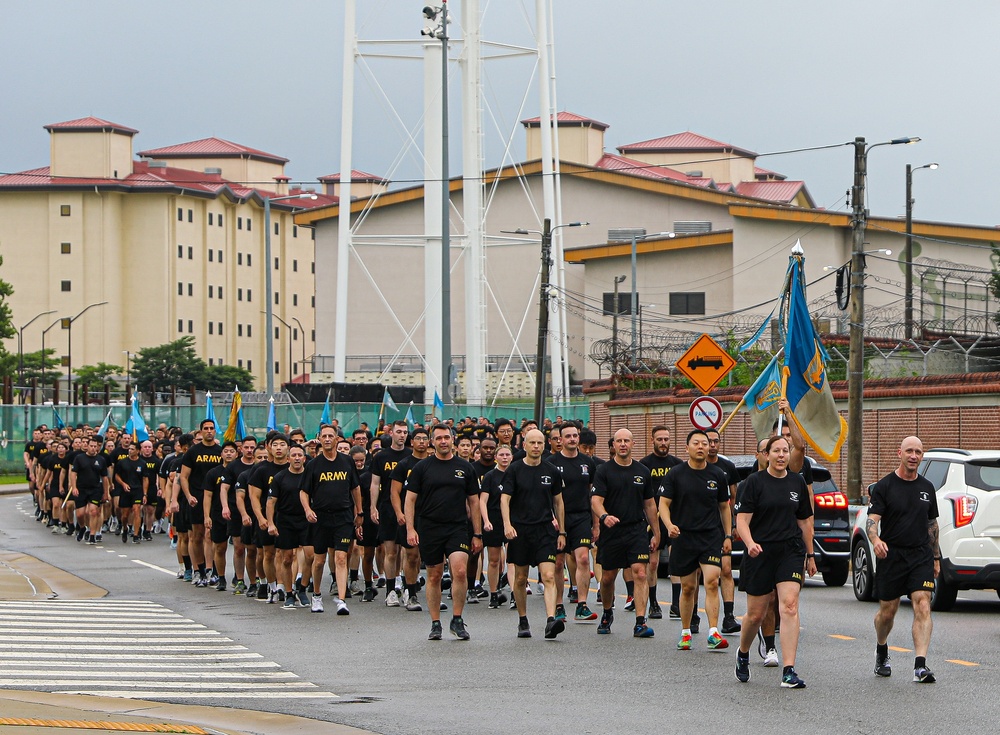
791, 680
220, 586
79, 534
684, 642
771, 658
629, 604
195, 578
695, 623
583, 613
574, 595
655, 611
882, 665
742, 667
92, 541
435, 634
527, 588
470, 598
716, 642
730, 625
541, 588
125, 535
607, 618
136, 540
458, 630
97, 540
303, 597
70, 530
641, 630
675, 612
262, 591
240, 588
443, 607
317, 604
494, 601
513, 604
504, 582
392, 599
355, 586
342, 608
213, 578
554, 627
481, 593
173, 543
923, 675
180, 573
523, 629
370, 594
380, 583
561, 612
413, 604
290, 603
204, 581
146, 535
251, 591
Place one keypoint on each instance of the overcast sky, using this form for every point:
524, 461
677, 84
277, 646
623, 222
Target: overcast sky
768, 75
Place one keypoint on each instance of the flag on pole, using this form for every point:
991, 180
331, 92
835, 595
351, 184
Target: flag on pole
438, 403
236, 429
105, 425
409, 417
272, 421
808, 392
762, 399
210, 409
388, 402
57, 419
325, 417
135, 425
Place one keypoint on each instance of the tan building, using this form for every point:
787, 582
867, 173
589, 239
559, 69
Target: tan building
173, 243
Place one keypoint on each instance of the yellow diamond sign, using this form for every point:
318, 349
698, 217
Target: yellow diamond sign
705, 363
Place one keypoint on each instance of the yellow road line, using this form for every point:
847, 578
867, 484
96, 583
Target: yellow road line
960, 662
900, 650
841, 637
90, 725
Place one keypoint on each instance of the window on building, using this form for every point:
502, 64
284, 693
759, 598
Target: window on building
277, 332
277, 367
275, 264
624, 303
313, 300
65, 248
295, 266
220, 334
249, 330
180, 289
250, 365
295, 333
220, 256
275, 228
276, 297
190, 253
312, 268
239, 223
211, 253
180, 214
220, 220
190, 215
239, 294
211, 221
180, 325
249, 295
65, 210
295, 231
210, 328
295, 299
295, 368
211, 361
249, 260
239, 330
239, 258
220, 292
249, 223
312, 234
180, 251
190, 289
239, 363
211, 292
687, 303
190, 327
314, 335
66, 285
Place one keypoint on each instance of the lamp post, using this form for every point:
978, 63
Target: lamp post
302, 331
543, 307
20, 344
44, 332
908, 317
290, 358
856, 359
69, 340
128, 375
268, 293
439, 15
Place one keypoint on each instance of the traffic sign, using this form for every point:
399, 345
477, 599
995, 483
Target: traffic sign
705, 413
705, 363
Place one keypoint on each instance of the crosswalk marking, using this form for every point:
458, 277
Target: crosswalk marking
133, 650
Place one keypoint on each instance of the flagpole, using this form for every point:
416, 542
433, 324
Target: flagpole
741, 404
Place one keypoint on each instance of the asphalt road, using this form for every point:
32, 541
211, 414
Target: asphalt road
389, 679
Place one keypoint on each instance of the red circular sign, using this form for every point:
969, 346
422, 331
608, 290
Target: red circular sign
705, 413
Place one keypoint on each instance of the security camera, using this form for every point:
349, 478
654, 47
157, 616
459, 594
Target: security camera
430, 13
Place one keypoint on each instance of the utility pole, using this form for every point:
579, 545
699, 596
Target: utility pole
543, 321
614, 329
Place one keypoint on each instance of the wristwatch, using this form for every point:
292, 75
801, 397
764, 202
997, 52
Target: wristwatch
601, 519
477, 535
729, 538
810, 556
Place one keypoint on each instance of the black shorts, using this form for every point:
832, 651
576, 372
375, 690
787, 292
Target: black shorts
248, 535
182, 518
665, 539
89, 496
904, 570
624, 545
495, 538
220, 530
388, 528
579, 530
535, 544
52, 492
692, 549
234, 526
292, 532
369, 532
440, 540
778, 562
262, 538
331, 532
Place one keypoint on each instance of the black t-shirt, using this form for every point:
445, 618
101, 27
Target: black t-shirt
329, 484
213, 484
285, 490
695, 496
492, 485
624, 489
201, 459
578, 477
130, 472
230, 478
58, 468
90, 471
659, 466
261, 477
365, 479
807, 470
382, 466
30, 448
732, 474
117, 455
481, 469
151, 466
775, 504
41, 451
531, 491
442, 487
906, 508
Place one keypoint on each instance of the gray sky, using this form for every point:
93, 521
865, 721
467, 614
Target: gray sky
769, 76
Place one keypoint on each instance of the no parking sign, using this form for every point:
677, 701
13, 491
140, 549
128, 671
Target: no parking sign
705, 413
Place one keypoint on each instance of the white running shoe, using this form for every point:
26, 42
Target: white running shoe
342, 607
317, 603
392, 599
771, 658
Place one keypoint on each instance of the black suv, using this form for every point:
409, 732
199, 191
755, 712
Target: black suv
831, 523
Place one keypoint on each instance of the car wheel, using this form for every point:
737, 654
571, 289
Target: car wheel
836, 575
944, 596
863, 579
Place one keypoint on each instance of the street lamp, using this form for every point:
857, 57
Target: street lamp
290, 358
303, 332
268, 293
543, 306
44, 332
128, 375
908, 318
20, 345
856, 359
69, 339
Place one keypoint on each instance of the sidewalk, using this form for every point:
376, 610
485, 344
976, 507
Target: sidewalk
23, 577
14, 489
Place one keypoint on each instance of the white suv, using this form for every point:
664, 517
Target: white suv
968, 497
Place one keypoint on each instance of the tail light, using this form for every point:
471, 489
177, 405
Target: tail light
964, 507
836, 500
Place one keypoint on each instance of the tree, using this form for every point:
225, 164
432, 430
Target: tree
172, 363
97, 375
7, 329
226, 377
42, 367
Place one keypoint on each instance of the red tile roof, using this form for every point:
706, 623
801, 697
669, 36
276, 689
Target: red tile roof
686, 142
89, 125
211, 148
611, 162
569, 119
762, 174
357, 176
775, 191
